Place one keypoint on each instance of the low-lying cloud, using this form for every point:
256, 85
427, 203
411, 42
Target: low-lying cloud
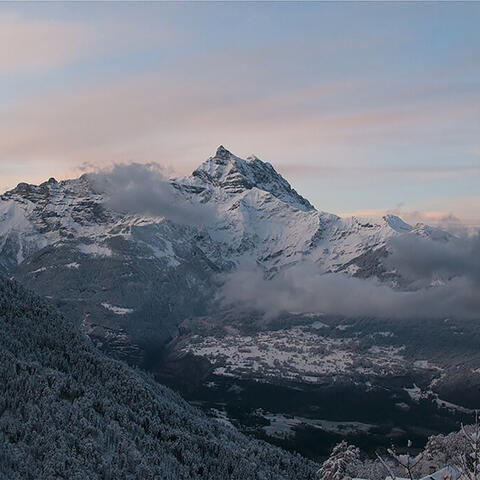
145, 189
441, 280
423, 261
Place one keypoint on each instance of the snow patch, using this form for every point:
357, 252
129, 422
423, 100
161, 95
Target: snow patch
94, 250
39, 270
72, 265
117, 310
283, 427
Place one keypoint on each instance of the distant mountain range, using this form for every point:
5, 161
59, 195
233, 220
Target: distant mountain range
132, 273
234, 289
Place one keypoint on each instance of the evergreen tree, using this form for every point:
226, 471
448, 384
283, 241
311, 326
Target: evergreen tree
341, 464
68, 411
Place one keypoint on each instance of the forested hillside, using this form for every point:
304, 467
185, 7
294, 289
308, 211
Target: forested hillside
67, 411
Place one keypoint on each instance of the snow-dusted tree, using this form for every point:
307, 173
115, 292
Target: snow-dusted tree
342, 462
371, 468
459, 449
68, 411
404, 460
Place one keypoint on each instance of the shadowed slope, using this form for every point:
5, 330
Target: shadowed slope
67, 411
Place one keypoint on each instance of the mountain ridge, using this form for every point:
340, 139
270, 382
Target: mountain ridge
64, 240
240, 186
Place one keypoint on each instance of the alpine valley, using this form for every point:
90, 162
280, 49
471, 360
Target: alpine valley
166, 285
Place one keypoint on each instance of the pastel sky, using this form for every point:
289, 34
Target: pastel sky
364, 107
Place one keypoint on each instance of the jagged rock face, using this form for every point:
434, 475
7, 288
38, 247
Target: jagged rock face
234, 175
263, 221
128, 279
131, 279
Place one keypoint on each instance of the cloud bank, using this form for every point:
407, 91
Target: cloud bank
144, 189
421, 261
443, 281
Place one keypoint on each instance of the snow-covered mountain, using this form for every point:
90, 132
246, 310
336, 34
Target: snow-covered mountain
132, 278
261, 219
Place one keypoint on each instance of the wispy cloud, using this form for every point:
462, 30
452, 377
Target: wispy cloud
145, 116
33, 46
368, 170
153, 83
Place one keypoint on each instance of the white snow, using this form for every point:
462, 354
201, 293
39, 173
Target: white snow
39, 270
295, 354
167, 253
317, 325
426, 365
94, 250
117, 310
260, 220
282, 426
417, 394
72, 265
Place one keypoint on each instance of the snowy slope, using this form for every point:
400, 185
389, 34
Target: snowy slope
70, 412
63, 240
261, 220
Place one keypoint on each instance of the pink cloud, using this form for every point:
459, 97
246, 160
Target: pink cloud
461, 216
165, 116
32, 46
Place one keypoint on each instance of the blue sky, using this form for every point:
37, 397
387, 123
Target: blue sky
364, 107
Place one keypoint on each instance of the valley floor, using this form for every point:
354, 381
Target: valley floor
306, 387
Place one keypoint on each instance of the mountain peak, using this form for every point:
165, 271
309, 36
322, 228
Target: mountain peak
235, 175
397, 224
222, 152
